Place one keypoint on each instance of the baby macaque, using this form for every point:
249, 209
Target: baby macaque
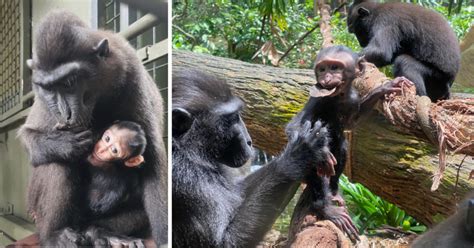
123, 143
114, 159
337, 103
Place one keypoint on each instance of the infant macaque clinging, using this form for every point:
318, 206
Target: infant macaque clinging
113, 178
335, 102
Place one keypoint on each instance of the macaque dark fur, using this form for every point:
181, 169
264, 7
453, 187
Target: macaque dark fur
211, 209
339, 112
114, 166
111, 187
456, 231
83, 81
418, 42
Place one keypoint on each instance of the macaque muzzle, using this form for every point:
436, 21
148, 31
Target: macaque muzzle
319, 91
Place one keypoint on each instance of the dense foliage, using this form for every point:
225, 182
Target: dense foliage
234, 28
370, 212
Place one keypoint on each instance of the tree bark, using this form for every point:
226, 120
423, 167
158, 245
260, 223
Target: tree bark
394, 163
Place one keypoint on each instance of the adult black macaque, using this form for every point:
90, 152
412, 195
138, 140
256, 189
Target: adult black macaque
83, 81
210, 209
336, 103
418, 42
456, 231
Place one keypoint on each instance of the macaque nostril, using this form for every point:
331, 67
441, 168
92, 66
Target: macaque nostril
69, 115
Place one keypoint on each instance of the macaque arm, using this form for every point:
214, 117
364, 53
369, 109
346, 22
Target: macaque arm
382, 46
393, 86
368, 102
306, 114
46, 147
266, 193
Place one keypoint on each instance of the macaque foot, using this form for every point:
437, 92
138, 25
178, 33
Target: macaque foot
66, 238
327, 170
100, 237
340, 217
308, 220
126, 242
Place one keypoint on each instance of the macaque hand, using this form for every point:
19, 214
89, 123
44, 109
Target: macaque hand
326, 168
311, 144
396, 85
74, 142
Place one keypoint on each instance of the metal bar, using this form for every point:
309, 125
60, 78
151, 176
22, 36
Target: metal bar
157, 7
140, 26
4, 234
112, 19
28, 96
14, 118
157, 50
124, 19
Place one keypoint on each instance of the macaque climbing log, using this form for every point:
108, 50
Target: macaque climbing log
447, 124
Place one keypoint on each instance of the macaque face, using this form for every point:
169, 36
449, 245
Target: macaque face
113, 146
331, 73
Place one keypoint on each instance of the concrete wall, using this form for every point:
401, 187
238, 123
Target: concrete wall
14, 171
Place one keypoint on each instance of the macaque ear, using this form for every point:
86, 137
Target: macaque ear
29, 63
102, 48
134, 161
182, 121
360, 66
363, 11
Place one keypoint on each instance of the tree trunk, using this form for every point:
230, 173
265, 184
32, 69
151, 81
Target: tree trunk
393, 164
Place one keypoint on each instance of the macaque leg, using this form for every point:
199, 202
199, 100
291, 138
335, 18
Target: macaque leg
56, 207
339, 169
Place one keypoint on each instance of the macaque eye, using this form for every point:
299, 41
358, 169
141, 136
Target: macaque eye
114, 150
233, 118
107, 138
322, 69
334, 67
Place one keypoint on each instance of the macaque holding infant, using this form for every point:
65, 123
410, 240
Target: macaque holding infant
112, 168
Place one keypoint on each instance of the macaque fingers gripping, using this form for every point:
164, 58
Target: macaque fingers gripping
340, 217
327, 168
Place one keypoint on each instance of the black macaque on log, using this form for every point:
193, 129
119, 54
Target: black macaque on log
456, 231
336, 103
210, 208
84, 80
418, 42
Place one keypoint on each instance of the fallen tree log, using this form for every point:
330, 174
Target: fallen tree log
392, 162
